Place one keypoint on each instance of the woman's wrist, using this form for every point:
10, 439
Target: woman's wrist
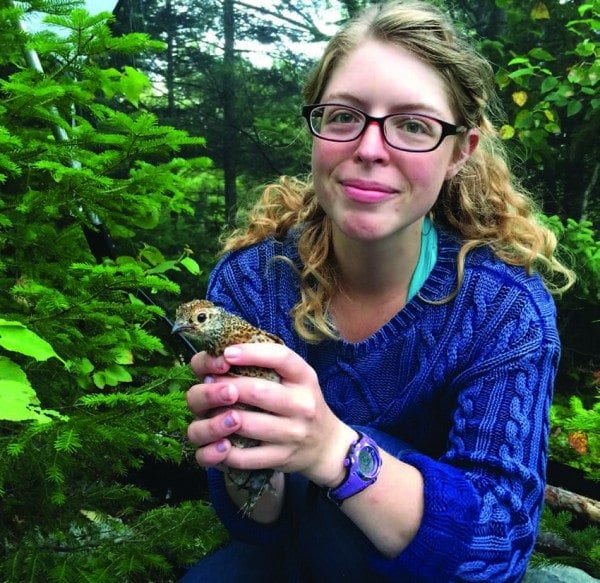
330, 472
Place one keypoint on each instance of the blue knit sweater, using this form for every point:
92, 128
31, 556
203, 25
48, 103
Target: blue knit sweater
467, 383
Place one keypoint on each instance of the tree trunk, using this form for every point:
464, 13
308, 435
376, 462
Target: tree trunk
229, 138
585, 201
582, 506
170, 76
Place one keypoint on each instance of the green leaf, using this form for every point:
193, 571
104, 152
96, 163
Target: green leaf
541, 54
548, 84
164, 266
540, 12
10, 370
82, 366
135, 301
152, 255
18, 400
584, 8
577, 75
585, 48
16, 337
191, 265
524, 119
521, 73
148, 218
507, 132
518, 61
574, 107
552, 128
112, 376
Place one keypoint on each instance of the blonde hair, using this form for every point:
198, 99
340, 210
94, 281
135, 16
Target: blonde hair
482, 202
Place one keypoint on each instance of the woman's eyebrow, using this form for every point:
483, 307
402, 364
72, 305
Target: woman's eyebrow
408, 106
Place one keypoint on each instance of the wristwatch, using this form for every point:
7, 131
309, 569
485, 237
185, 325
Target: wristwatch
363, 462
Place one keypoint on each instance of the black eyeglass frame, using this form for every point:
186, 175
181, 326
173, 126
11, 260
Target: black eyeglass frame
448, 129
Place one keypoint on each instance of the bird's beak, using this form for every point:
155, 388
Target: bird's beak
177, 328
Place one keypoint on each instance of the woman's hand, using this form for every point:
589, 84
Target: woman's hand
297, 430
299, 433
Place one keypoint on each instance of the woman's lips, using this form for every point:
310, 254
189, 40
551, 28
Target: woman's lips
366, 192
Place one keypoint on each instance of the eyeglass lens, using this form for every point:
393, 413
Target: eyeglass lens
403, 130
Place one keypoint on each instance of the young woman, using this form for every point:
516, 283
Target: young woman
406, 277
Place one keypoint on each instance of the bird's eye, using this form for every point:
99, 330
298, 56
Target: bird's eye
201, 318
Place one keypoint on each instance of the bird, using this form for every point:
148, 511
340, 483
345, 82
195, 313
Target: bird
212, 328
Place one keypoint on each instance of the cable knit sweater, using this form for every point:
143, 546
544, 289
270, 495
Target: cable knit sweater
467, 383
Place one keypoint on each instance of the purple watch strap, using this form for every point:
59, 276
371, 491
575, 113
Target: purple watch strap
356, 480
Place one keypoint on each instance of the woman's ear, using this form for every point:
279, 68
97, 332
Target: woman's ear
469, 143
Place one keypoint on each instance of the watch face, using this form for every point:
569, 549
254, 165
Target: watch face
367, 461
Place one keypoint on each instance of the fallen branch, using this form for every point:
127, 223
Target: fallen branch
561, 499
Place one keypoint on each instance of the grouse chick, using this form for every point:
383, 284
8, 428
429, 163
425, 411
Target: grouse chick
212, 328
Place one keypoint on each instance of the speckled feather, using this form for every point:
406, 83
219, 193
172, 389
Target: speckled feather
212, 329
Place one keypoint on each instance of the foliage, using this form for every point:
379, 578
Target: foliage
581, 546
580, 241
575, 439
572, 90
551, 86
260, 132
575, 415
575, 412
89, 392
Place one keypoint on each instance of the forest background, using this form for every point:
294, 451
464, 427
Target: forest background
126, 151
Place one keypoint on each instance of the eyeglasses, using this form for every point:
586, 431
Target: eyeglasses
411, 132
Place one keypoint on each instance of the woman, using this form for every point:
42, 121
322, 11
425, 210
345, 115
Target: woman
410, 425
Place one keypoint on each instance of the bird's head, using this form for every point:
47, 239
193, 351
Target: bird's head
199, 320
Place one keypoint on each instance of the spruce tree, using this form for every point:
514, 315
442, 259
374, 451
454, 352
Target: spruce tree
89, 391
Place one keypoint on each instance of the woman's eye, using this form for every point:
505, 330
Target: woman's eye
341, 116
412, 126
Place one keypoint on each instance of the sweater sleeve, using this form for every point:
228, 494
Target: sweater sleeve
483, 496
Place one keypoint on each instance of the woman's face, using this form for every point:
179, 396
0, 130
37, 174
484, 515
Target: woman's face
370, 190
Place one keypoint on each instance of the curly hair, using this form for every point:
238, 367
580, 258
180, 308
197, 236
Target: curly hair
483, 203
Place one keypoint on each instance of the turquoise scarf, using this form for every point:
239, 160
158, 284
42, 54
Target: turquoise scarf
427, 258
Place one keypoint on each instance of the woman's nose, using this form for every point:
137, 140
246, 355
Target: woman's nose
372, 145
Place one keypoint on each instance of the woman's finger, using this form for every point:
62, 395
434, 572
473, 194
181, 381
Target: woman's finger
291, 367
204, 397
214, 454
203, 364
208, 430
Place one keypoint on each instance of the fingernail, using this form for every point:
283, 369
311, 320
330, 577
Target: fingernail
221, 446
232, 352
229, 421
220, 364
208, 379
225, 393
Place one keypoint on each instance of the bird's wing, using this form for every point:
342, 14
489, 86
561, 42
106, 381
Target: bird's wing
262, 336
